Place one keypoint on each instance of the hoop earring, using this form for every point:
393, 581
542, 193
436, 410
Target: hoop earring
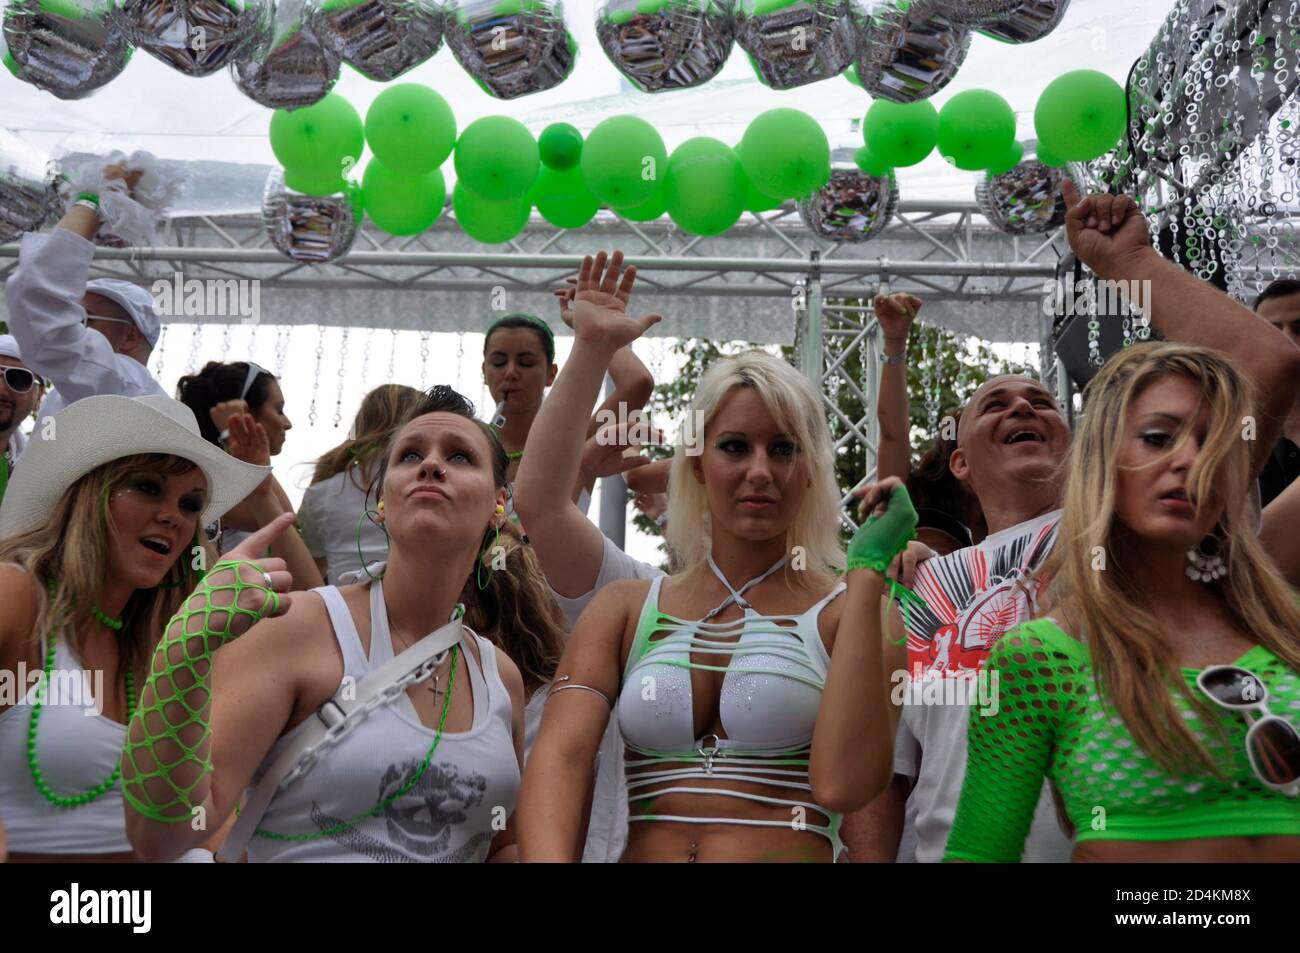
365, 515
478, 569
1207, 567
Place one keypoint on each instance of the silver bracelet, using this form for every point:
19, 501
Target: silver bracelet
557, 687
895, 358
661, 520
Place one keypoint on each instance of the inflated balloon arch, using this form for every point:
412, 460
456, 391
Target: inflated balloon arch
287, 55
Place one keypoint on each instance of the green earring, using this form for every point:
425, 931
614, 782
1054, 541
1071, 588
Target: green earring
360, 558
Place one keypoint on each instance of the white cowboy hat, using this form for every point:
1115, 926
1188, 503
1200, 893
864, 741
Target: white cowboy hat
95, 430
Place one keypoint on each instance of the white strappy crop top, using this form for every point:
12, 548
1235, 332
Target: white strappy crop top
768, 706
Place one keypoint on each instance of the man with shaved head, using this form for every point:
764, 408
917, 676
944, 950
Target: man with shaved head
1011, 441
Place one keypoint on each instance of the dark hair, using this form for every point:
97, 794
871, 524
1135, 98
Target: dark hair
219, 382
941, 499
529, 322
1282, 288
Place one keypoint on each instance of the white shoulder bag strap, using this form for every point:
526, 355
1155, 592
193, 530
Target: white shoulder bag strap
336, 717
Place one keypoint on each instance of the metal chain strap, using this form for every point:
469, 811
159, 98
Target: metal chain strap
337, 732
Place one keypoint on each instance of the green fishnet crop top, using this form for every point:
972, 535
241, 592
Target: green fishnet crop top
1050, 722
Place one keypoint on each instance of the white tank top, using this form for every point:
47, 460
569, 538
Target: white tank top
462, 801
77, 750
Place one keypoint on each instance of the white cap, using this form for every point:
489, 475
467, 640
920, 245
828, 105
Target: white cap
138, 304
9, 347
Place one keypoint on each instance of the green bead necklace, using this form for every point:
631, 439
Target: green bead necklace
382, 805
33, 763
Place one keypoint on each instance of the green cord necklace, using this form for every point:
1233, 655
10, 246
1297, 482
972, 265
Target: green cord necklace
410, 783
33, 762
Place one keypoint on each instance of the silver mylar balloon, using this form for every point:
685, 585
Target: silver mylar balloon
910, 55
793, 42
852, 206
197, 37
1030, 21
292, 70
512, 47
381, 39
309, 228
1024, 201
27, 190
977, 12
67, 47
666, 44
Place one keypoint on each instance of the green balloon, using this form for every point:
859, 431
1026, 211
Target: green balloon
623, 161
497, 157
310, 186
648, 210
756, 200
1008, 161
1081, 115
11, 64
402, 204
560, 145
705, 186
851, 74
871, 163
410, 128
976, 128
316, 141
487, 221
1048, 158
901, 135
563, 198
786, 154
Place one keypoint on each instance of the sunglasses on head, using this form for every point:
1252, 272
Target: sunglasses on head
19, 379
1272, 742
253, 371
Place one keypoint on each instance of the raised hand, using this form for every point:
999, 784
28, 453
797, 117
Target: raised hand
1105, 230
888, 529
564, 297
600, 303
222, 412
604, 453
248, 440
274, 574
652, 505
895, 313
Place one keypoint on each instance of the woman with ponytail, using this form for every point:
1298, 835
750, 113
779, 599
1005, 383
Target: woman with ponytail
337, 515
431, 774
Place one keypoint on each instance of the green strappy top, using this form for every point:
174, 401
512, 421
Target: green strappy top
1049, 721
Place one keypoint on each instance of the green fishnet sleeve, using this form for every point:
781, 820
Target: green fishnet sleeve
1009, 751
168, 749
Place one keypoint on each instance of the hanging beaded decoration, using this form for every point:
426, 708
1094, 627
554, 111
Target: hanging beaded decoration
342, 375
365, 359
196, 345
225, 343
424, 360
392, 354
162, 340
460, 356
315, 383
281, 347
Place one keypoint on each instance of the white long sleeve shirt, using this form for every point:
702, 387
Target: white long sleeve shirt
45, 313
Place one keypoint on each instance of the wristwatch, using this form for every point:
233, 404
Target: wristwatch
895, 358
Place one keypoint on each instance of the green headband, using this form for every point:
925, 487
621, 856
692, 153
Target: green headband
531, 318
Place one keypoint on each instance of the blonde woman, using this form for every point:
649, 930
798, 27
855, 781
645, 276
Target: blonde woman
337, 516
1162, 693
718, 672
98, 539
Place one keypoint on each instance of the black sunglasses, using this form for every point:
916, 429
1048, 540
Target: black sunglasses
19, 379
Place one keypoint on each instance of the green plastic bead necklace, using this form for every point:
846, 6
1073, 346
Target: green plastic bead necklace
33, 763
